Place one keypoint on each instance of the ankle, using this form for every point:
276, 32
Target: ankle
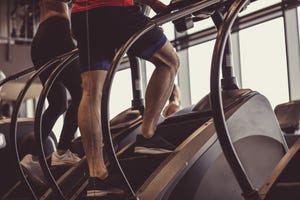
101, 177
100, 173
147, 134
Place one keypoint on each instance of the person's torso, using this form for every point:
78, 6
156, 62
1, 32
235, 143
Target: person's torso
83, 5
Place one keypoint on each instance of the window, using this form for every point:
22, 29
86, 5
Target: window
298, 13
263, 60
149, 70
169, 30
256, 5
121, 93
200, 62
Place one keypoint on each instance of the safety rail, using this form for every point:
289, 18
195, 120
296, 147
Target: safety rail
223, 34
14, 118
249, 193
38, 122
17, 75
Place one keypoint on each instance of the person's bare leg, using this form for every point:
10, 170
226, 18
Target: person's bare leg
159, 87
89, 121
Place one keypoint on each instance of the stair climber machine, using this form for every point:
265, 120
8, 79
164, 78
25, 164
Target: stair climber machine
288, 115
226, 152
210, 161
9, 176
282, 180
202, 166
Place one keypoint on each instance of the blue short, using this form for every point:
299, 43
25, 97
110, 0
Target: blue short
108, 29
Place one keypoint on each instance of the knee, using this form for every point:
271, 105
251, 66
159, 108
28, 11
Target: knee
172, 62
166, 57
90, 88
175, 62
91, 93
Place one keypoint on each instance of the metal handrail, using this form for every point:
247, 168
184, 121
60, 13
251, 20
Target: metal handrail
230, 154
13, 124
38, 123
17, 75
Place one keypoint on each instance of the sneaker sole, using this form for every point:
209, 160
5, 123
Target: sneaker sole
63, 163
40, 181
145, 150
102, 193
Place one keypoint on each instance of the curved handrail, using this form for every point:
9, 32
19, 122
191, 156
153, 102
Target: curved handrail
13, 124
109, 147
17, 75
216, 102
26, 71
38, 123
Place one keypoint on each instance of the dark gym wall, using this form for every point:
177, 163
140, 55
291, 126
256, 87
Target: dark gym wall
19, 54
20, 58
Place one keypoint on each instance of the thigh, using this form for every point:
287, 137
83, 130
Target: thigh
103, 30
165, 56
95, 42
131, 21
92, 84
53, 38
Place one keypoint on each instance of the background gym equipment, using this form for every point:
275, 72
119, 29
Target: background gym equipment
288, 115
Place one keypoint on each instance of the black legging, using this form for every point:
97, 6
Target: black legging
53, 38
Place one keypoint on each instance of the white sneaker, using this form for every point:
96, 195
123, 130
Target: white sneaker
68, 158
33, 169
